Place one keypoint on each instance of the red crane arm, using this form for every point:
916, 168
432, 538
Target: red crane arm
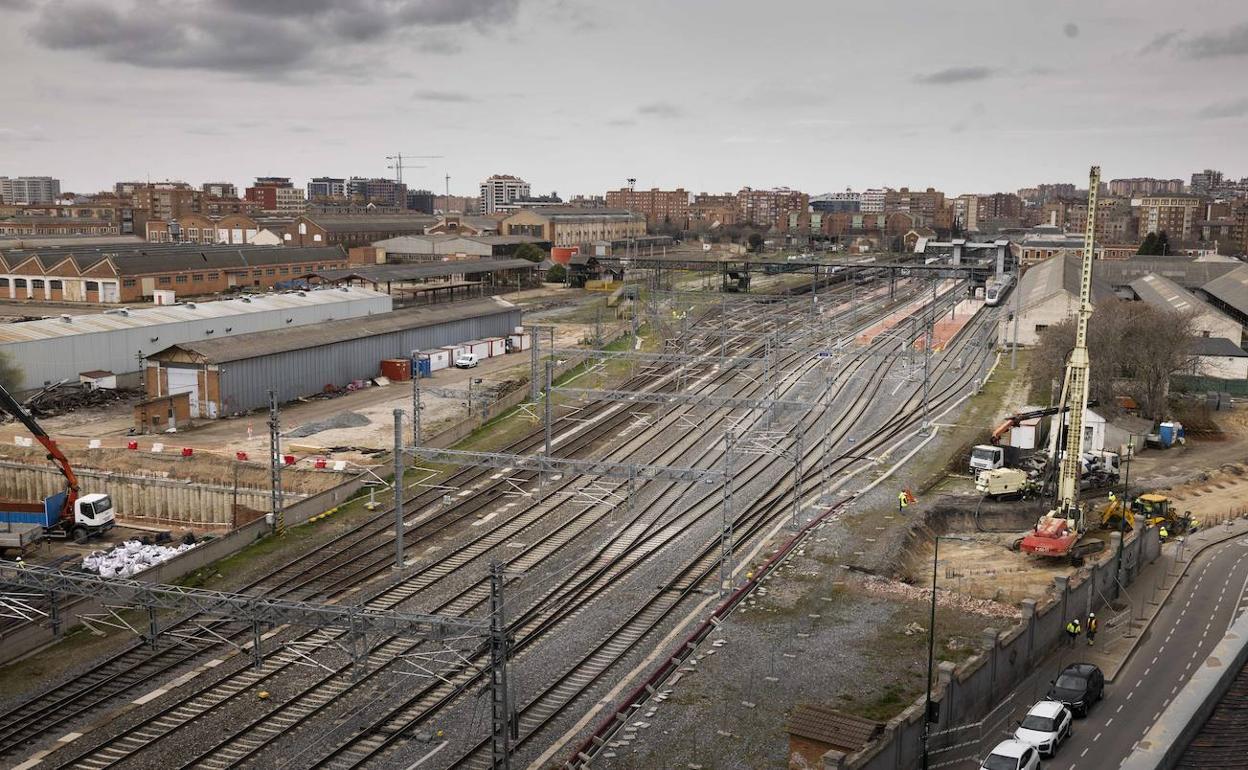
11, 405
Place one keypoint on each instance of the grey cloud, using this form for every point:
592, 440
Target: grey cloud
271, 37
1233, 42
1158, 43
1234, 109
953, 75
1071, 29
16, 5
449, 97
621, 122
660, 110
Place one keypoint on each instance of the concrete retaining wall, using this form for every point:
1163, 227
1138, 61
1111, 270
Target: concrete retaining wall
18, 641
969, 692
164, 501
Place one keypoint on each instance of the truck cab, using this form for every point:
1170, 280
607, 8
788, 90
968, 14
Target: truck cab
985, 457
94, 512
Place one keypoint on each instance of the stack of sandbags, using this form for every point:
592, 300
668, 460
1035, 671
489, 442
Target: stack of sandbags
130, 558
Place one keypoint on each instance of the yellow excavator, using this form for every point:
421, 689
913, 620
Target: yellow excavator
1153, 508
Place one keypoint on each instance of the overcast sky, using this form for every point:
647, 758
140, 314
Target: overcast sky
577, 95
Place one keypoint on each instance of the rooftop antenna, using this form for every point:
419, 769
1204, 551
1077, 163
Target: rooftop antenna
632, 182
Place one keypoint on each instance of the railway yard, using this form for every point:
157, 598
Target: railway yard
730, 533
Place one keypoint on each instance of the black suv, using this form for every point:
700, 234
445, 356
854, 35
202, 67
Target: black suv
1078, 686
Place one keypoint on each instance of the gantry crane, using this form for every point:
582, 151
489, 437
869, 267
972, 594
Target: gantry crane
1058, 530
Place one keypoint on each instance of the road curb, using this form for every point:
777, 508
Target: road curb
1165, 598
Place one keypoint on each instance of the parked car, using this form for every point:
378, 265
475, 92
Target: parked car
1046, 726
466, 360
1012, 755
1078, 687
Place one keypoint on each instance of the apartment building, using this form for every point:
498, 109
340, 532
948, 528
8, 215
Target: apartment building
659, 207
1144, 185
873, 200
500, 190
767, 207
29, 189
327, 188
219, 190
926, 204
276, 195
383, 192
1178, 215
714, 210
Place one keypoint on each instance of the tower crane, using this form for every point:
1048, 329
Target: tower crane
1059, 530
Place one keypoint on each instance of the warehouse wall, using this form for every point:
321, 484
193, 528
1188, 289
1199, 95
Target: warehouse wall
116, 350
296, 373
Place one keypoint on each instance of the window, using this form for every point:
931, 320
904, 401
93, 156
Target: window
192, 233
180, 279
163, 280
270, 271
286, 271
93, 286
55, 285
214, 276
4, 282
256, 273
197, 277
19, 283
128, 283
1041, 327
36, 283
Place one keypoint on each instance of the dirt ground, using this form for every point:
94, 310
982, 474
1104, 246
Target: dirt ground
250, 434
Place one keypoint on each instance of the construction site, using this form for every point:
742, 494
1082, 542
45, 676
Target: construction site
721, 514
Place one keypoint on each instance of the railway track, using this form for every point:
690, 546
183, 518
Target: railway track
337, 567
332, 580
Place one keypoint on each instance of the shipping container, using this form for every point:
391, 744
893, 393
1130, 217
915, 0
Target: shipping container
480, 347
397, 369
498, 346
438, 359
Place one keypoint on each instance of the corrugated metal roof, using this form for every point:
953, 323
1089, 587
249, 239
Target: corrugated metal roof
1231, 289
244, 346
147, 258
1217, 346
49, 328
371, 222
1164, 293
418, 271
1186, 272
1058, 274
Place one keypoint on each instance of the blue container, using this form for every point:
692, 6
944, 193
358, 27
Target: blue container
423, 366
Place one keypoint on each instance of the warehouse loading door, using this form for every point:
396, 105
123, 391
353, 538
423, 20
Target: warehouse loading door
185, 381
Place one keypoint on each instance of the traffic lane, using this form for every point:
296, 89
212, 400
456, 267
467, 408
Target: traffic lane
1184, 632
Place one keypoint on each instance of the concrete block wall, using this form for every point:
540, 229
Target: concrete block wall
968, 692
163, 501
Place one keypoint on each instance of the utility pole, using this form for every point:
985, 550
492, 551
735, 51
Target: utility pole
797, 473
550, 376
417, 407
725, 530
504, 725
398, 489
275, 468
927, 357
535, 388
1018, 293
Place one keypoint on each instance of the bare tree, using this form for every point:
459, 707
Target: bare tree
10, 373
1134, 349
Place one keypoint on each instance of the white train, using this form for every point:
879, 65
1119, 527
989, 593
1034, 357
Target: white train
996, 289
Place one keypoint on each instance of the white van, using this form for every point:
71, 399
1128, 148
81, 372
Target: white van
466, 360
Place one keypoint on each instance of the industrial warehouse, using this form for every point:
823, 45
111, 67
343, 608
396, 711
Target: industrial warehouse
235, 375
115, 341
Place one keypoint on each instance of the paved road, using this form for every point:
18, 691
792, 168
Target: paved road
1191, 623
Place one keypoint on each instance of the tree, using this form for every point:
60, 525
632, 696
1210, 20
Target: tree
756, 242
1163, 243
1149, 246
530, 252
1134, 348
10, 373
557, 274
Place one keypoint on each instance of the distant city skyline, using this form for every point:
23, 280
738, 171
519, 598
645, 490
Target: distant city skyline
579, 96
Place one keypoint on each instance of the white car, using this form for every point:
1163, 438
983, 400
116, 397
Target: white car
1046, 726
466, 360
1012, 755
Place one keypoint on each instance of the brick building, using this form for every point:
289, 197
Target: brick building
1177, 215
925, 204
766, 207
276, 195
232, 229
219, 190
354, 230
659, 207
712, 210
1145, 185
569, 226
127, 274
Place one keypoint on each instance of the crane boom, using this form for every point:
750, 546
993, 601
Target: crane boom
13, 407
1075, 396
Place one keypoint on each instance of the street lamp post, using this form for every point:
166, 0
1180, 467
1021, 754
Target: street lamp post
931, 645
